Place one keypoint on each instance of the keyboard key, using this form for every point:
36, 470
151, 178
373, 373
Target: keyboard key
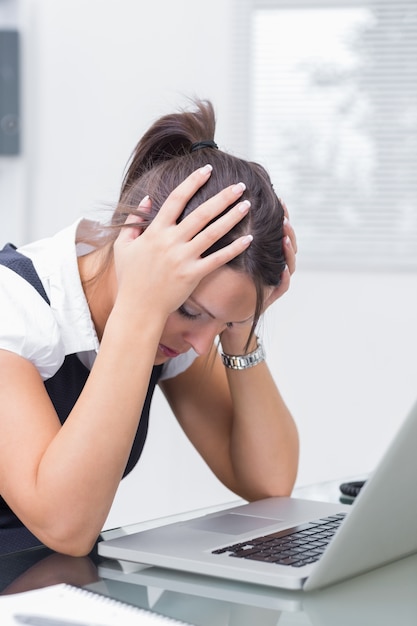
295, 547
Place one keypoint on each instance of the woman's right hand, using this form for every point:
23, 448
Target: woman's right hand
163, 264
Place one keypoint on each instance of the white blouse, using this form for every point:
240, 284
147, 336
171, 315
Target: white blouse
44, 334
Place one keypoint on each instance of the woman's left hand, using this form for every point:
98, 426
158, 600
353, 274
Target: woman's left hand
234, 338
290, 251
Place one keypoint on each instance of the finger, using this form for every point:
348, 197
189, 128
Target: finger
284, 206
289, 254
178, 198
209, 235
198, 219
145, 205
216, 260
135, 221
283, 286
288, 229
290, 232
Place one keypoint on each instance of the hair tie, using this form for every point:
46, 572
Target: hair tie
209, 143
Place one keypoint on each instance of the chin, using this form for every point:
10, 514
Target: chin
160, 359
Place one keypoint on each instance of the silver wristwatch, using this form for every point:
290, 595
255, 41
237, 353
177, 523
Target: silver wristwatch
244, 361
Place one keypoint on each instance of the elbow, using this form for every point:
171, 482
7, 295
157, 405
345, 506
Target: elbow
68, 531
70, 546
68, 540
286, 485
279, 491
274, 487
284, 491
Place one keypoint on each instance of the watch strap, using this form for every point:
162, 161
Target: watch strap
244, 361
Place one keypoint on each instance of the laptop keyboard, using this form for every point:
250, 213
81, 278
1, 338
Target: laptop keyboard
295, 546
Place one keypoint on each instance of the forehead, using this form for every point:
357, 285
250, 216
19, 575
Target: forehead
227, 295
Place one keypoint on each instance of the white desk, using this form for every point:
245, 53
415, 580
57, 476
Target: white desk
385, 597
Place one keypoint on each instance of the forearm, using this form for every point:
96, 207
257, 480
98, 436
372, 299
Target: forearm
263, 442
80, 470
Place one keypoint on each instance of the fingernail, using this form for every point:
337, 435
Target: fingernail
239, 188
244, 206
247, 239
285, 221
206, 169
287, 241
144, 200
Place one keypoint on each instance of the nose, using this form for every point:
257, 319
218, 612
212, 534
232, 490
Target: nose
202, 341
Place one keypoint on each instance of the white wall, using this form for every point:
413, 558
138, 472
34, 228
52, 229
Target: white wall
342, 346
97, 73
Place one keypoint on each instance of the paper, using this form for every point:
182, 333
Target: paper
67, 605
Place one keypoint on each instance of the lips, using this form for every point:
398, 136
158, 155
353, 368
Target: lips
171, 354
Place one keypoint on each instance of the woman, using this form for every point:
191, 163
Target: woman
197, 249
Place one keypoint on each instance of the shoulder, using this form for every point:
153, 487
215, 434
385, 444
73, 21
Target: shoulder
27, 324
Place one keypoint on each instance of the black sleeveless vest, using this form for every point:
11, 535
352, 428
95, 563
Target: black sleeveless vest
63, 389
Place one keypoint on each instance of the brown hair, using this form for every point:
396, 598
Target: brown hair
163, 159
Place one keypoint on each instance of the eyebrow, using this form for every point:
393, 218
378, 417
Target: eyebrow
211, 314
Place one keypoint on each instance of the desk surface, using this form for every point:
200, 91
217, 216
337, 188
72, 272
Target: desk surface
385, 596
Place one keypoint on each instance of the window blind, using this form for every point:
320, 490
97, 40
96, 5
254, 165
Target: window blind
333, 116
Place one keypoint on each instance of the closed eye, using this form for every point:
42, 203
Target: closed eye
190, 316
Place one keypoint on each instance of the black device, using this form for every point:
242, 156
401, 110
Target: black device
352, 489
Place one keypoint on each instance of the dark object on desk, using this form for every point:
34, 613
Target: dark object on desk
352, 489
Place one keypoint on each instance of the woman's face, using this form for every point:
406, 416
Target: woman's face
223, 298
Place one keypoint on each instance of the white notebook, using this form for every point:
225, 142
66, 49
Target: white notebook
67, 605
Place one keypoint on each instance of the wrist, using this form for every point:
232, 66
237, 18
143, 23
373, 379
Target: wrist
244, 361
237, 341
123, 323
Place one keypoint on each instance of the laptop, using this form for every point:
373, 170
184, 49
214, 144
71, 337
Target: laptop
333, 541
